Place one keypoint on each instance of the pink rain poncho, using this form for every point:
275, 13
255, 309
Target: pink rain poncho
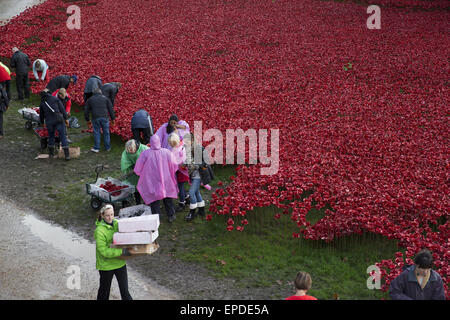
156, 169
164, 136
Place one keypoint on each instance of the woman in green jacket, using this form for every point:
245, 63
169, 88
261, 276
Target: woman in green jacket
130, 155
107, 262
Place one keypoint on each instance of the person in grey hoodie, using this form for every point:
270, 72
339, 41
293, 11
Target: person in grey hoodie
419, 281
94, 82
110, 90
21, 63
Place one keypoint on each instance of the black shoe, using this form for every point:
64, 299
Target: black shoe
172, 218
201, 211
181, 206
191, 215
51, 152
66, 153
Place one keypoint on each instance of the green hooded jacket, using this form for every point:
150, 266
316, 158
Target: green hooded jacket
106, 257
129, 160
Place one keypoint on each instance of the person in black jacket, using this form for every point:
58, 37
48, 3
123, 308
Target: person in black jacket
102, 110
52, 113
61, 81
21, 63
142, 122
110, 90
4, 104
94, 82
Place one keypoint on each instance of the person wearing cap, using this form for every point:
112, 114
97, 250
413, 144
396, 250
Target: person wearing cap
110, 90
156, 168
5, 78
419, 281
133, 150
40, 65
94, 82
142, 123
180, 127
21, 63
107, 259
61, 81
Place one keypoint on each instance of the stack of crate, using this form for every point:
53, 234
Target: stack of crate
138, 233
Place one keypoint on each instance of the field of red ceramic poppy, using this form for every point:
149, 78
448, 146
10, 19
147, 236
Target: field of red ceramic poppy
363, 114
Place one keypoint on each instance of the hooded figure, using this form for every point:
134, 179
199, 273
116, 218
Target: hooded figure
174, 124
156, 169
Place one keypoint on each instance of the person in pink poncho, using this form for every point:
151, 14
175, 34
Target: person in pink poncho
173, 125
156, 169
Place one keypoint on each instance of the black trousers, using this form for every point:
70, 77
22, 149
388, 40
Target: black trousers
106, 280
137, 135
7, 86
23, 86
1, 123
168, 205
138, 197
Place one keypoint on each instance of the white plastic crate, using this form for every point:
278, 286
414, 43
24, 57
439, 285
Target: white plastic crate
135, 211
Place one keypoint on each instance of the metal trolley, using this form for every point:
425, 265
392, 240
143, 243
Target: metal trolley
99, 196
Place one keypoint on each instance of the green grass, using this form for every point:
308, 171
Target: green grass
265, 255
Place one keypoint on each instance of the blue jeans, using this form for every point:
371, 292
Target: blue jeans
182, 193
194, 191
103, 124
61, 127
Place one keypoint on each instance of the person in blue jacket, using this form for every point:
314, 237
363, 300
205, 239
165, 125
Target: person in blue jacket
142, 122
419, 281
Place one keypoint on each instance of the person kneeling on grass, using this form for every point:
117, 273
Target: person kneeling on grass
302, 285
130, 156
107, 262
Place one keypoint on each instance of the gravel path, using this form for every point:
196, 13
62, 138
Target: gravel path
39, 260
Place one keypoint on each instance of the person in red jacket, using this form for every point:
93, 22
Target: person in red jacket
302, 285
64, 96
5, 78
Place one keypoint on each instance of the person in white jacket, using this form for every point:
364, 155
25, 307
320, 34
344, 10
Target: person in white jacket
40, 65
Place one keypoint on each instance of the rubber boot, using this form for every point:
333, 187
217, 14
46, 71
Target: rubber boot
66, 153
201, 211
51, 152
191, 215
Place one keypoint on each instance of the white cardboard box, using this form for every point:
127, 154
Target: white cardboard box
134, 238
138, 224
